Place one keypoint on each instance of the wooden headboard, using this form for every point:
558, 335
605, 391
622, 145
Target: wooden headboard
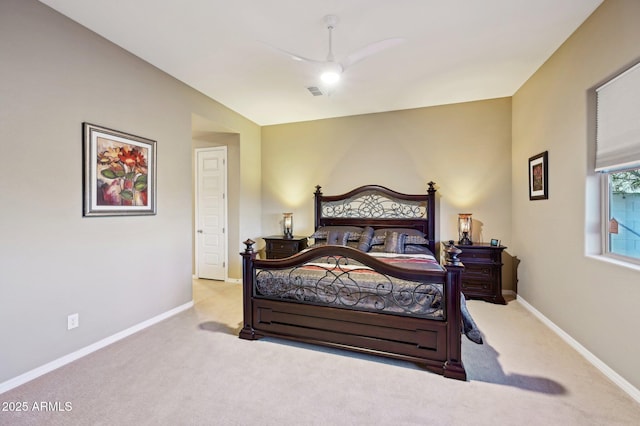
379, 207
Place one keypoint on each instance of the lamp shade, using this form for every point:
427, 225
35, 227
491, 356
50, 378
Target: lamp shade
287, 225
465, 224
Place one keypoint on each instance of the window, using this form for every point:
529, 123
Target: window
618, 159
623, 218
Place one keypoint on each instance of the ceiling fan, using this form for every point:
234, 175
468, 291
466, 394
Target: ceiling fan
332, 69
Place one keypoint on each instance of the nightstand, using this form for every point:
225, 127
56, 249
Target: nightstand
278, 246
482, 276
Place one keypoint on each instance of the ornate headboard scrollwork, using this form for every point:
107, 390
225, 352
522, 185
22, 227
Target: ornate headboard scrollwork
379, 207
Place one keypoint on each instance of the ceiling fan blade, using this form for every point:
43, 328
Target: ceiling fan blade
295, 56
369, 50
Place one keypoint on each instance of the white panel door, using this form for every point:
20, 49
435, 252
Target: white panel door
211, 245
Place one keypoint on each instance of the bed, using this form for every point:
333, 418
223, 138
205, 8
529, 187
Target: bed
370, 283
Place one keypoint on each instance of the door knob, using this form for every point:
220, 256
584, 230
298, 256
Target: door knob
199, 231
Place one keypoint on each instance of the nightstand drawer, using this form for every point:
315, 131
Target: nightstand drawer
478, 271
278, 247
470, 254
477, 286
279, 254
286, 247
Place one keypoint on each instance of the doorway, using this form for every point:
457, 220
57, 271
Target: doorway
211, 213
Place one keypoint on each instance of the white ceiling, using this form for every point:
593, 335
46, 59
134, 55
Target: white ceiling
454, 50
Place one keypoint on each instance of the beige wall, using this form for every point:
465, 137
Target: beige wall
595, 302
116, 272
465, 148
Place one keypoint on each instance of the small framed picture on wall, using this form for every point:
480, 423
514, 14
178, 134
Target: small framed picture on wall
539, 176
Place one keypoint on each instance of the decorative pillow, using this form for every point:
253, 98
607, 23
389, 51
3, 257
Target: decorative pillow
378, 236
414, 236
353, 232
378, 248
318, 243
364, 243
338, 238
415, 249
394, 242
417, 239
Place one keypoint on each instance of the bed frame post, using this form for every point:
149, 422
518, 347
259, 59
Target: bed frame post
431, 215
453, 367
248, 256
318, 207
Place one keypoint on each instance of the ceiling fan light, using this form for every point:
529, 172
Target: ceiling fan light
331, 73
330, 77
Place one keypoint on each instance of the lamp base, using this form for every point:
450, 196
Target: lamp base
465, 240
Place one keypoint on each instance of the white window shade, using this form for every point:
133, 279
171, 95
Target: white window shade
618, 122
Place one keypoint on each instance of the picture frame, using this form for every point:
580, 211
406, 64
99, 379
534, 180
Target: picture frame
119, 173
495, 242
539, 176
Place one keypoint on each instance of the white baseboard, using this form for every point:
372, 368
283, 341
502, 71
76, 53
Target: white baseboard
227, 280
604, 368
44, 369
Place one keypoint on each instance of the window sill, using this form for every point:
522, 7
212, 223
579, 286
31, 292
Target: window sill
615, 261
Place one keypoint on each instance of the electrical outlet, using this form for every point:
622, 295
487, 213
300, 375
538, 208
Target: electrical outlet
73, 321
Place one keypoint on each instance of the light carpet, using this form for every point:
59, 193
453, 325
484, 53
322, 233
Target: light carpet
192, 369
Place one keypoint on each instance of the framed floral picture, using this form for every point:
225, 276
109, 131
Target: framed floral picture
539, 176
119, 173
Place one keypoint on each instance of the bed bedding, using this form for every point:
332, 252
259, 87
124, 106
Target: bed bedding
370, 283
345, 283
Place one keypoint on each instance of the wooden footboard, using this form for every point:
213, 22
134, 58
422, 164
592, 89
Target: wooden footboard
435, 344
